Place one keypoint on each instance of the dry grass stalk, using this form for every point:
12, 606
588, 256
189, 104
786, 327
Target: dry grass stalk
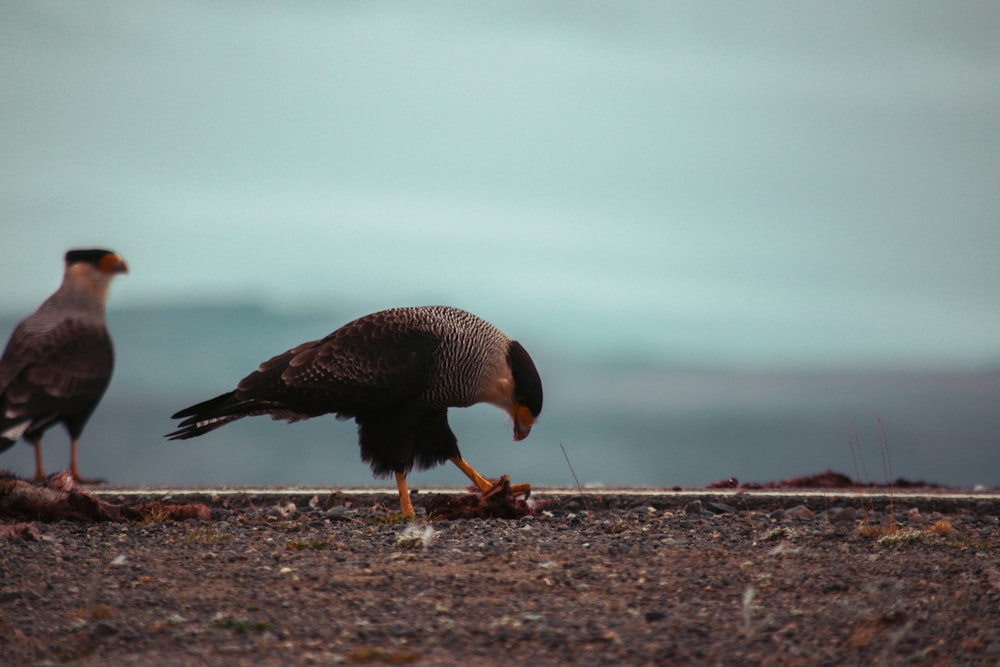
577, 480
867, 527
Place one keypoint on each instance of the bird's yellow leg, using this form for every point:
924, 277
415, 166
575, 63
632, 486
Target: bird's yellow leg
74, 470
477, 479
39, 468
405, 504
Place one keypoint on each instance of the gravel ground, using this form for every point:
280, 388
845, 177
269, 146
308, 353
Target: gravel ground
716, 578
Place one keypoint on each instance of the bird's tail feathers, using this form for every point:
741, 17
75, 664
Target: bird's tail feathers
11, 431
219, 411
208, 416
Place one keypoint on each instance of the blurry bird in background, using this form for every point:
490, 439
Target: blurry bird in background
58, 361
396, 373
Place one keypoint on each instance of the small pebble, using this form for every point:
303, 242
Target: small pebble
693, 507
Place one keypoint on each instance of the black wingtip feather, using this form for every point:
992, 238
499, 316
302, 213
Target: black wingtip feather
205, 409
196, 415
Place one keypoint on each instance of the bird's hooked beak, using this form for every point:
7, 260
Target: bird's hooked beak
111, 264
523, 421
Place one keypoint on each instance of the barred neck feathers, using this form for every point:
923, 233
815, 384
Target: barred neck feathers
471, 355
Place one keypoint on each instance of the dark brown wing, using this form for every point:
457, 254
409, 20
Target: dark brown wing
56, 375
368, 365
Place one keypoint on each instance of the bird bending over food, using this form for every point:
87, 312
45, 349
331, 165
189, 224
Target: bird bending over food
396, 373
59, 359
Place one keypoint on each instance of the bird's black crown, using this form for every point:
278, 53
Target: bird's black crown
89, 255
527, 383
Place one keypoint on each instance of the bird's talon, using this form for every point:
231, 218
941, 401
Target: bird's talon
503, 485
498, 487
521, 490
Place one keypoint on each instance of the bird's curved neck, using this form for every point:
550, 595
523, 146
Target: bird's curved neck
83, 290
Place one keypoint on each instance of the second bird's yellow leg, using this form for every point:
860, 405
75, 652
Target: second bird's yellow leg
39, 468
74, 469
405, 504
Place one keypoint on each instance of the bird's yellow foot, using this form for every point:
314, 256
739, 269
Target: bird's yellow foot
75, 471
503, 485
523, 489
89, 480
489, 487
80, 479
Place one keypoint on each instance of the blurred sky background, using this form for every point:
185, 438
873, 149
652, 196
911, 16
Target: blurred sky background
768, 185
775, 182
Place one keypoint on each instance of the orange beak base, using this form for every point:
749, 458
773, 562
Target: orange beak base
112, 264
523, 421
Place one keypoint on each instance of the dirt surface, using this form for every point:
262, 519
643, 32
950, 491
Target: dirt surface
724, 577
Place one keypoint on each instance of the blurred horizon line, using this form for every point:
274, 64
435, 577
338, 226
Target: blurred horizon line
623, 357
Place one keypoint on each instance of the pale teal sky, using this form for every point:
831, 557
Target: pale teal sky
759, 183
